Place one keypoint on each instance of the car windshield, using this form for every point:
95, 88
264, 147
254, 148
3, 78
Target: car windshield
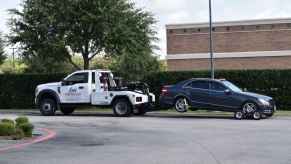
232, 86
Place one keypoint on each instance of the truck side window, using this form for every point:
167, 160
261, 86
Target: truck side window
78, 78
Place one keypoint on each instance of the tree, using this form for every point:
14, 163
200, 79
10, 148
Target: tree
60, 29
2, 52
136, 66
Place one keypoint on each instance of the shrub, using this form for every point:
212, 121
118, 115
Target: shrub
17, 91
7, 121
27, 129
7, 129
21, 120
19, 134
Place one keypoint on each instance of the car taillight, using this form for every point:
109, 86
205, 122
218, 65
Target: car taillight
164, 91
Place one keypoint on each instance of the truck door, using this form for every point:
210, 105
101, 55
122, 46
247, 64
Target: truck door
101, 94
75, 89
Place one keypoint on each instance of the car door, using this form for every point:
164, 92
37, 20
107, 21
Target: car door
220, 96
199, 93
75, 89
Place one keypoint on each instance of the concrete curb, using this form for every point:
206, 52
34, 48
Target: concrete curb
49, 135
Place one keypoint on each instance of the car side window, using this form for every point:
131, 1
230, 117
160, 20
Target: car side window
78, 78
217, 86
200, 84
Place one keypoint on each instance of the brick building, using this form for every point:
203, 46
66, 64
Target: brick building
255, 44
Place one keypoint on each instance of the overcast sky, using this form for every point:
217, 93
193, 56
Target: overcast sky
191, 11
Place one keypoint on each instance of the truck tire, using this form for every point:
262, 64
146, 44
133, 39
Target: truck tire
48, 107
67, 110
122, 108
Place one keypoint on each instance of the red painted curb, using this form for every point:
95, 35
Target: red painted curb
50, 134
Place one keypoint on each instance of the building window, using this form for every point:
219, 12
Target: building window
213, 29
227, 28
257, 27
185, 30
171, 31
199, 30
243, 27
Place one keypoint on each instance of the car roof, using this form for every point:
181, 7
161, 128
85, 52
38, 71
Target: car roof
98, 70
209, 79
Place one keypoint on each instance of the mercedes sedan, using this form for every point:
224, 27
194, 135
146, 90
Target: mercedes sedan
216, 95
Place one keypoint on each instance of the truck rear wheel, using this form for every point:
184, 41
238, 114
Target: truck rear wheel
48, 107
122, 108
67, 110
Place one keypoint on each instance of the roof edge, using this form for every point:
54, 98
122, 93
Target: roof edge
230, 23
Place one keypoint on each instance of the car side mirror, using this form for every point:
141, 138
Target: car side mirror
227, 92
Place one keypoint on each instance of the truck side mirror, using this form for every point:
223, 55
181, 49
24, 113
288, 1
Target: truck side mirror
63, 82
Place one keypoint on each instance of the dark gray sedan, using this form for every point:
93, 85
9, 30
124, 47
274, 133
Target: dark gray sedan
217, 95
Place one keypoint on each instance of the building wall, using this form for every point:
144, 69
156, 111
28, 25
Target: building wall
234, 40
228, 39
231, 63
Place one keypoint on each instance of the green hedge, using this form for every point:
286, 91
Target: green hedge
17, 91
275, 83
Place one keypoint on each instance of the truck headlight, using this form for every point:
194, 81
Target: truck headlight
138, 99
264, 102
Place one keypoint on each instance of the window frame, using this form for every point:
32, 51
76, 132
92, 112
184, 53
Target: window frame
86, 80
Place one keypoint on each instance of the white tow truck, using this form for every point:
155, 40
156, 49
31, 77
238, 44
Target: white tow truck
94, 88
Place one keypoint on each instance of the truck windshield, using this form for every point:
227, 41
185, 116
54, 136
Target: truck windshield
231, 86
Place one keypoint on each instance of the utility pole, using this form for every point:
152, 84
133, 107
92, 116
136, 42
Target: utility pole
211, 41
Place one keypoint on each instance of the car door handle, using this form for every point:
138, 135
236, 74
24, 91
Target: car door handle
81, 87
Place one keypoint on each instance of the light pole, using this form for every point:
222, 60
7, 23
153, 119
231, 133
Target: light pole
13, 57
211, 41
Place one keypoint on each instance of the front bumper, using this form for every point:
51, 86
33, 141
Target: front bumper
150, 106
268, 109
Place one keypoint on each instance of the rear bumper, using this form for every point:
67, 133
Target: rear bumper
166, 102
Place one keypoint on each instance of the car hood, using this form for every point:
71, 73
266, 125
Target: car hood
50, 84
255, 95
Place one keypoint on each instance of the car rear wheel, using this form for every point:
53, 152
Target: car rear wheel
122, 108
181, 105
48, 107
67, 110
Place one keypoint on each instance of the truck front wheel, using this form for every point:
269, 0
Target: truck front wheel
122, 108
67, 110
48, 107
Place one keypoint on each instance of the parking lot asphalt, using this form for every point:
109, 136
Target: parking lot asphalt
156, 139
